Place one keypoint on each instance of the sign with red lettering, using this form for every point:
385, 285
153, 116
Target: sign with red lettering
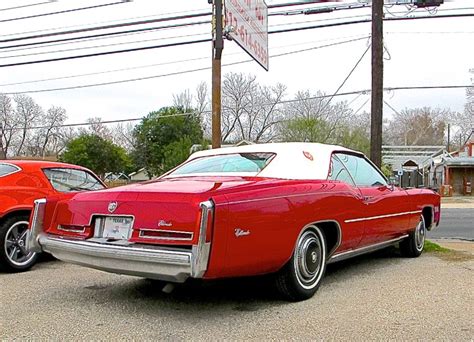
247, 24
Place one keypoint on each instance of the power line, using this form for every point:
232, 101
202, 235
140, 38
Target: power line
106, 34
364, 91
347, 77
108, 52
178, 72
64, 11
208, 40
107, 27
29, 5
163, 63
369, 20
104, 45
97, 23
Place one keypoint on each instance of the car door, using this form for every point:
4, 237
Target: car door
352, 232
386, 212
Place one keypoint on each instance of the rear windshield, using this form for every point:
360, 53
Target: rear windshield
6, 169
249, 163
68, 180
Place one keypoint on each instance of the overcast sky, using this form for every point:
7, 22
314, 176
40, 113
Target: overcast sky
419, 53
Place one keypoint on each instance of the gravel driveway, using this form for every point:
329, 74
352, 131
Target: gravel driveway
376, 297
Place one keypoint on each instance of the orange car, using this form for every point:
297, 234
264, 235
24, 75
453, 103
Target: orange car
21, 182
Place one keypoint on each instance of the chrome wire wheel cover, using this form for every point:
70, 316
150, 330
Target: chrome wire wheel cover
310, 258
15, 248
420, 233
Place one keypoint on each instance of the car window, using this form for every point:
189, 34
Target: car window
225, 163
68, 180
6, 169
363, 172
338, 171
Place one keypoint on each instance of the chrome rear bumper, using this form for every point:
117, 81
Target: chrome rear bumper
155, 262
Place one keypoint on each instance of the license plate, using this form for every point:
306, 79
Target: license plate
116, 227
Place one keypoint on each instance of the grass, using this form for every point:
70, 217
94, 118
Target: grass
434, 247
446, 253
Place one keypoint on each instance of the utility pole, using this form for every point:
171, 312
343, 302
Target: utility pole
377, 83
217, 47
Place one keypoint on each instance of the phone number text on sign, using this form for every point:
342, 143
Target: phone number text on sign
249, 22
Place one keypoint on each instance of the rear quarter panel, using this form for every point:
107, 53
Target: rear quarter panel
424, 198
275, 216
19, 190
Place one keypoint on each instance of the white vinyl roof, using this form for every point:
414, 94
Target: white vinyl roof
290, 161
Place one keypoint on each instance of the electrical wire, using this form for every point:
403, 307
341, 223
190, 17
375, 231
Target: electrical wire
107, 27
365, 91
64, 11
177, 72
165, 63
347, 77
107, 34
29, 5
105, 45
97, 54
208, 40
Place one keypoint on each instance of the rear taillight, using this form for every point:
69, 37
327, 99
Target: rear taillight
72, 228
206, 223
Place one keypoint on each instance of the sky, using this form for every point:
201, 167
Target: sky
418, 53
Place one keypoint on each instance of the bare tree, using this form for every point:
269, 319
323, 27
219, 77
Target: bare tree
123, 136
250, 111
8, 125
50, 135
202, 98
27, 113
97, 127
418, 126
311, 117
184, 100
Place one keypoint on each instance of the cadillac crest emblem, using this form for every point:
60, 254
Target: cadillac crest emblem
112, 206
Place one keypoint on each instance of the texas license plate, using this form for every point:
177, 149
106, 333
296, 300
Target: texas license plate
116, 227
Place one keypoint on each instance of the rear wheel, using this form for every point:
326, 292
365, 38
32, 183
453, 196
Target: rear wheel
14, 257
412, 246
301, 277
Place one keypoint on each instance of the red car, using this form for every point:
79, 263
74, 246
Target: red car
288, 209
21, 182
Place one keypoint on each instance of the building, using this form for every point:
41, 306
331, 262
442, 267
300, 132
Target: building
452, 174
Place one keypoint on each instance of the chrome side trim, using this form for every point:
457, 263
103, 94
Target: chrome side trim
285, 196
201, 251
382, 216
366, 249
36, 228
141, 230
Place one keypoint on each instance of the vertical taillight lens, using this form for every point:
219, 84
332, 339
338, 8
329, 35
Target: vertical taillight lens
206, 224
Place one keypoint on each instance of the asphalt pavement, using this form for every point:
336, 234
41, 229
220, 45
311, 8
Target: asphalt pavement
375, 297
456, 223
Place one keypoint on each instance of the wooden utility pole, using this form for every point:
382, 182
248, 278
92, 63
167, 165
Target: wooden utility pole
2, 152
217, 47
377, 83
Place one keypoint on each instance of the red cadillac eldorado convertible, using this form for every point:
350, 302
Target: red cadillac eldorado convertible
287, 209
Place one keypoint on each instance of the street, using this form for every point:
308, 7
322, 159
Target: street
455, 224
375, 297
